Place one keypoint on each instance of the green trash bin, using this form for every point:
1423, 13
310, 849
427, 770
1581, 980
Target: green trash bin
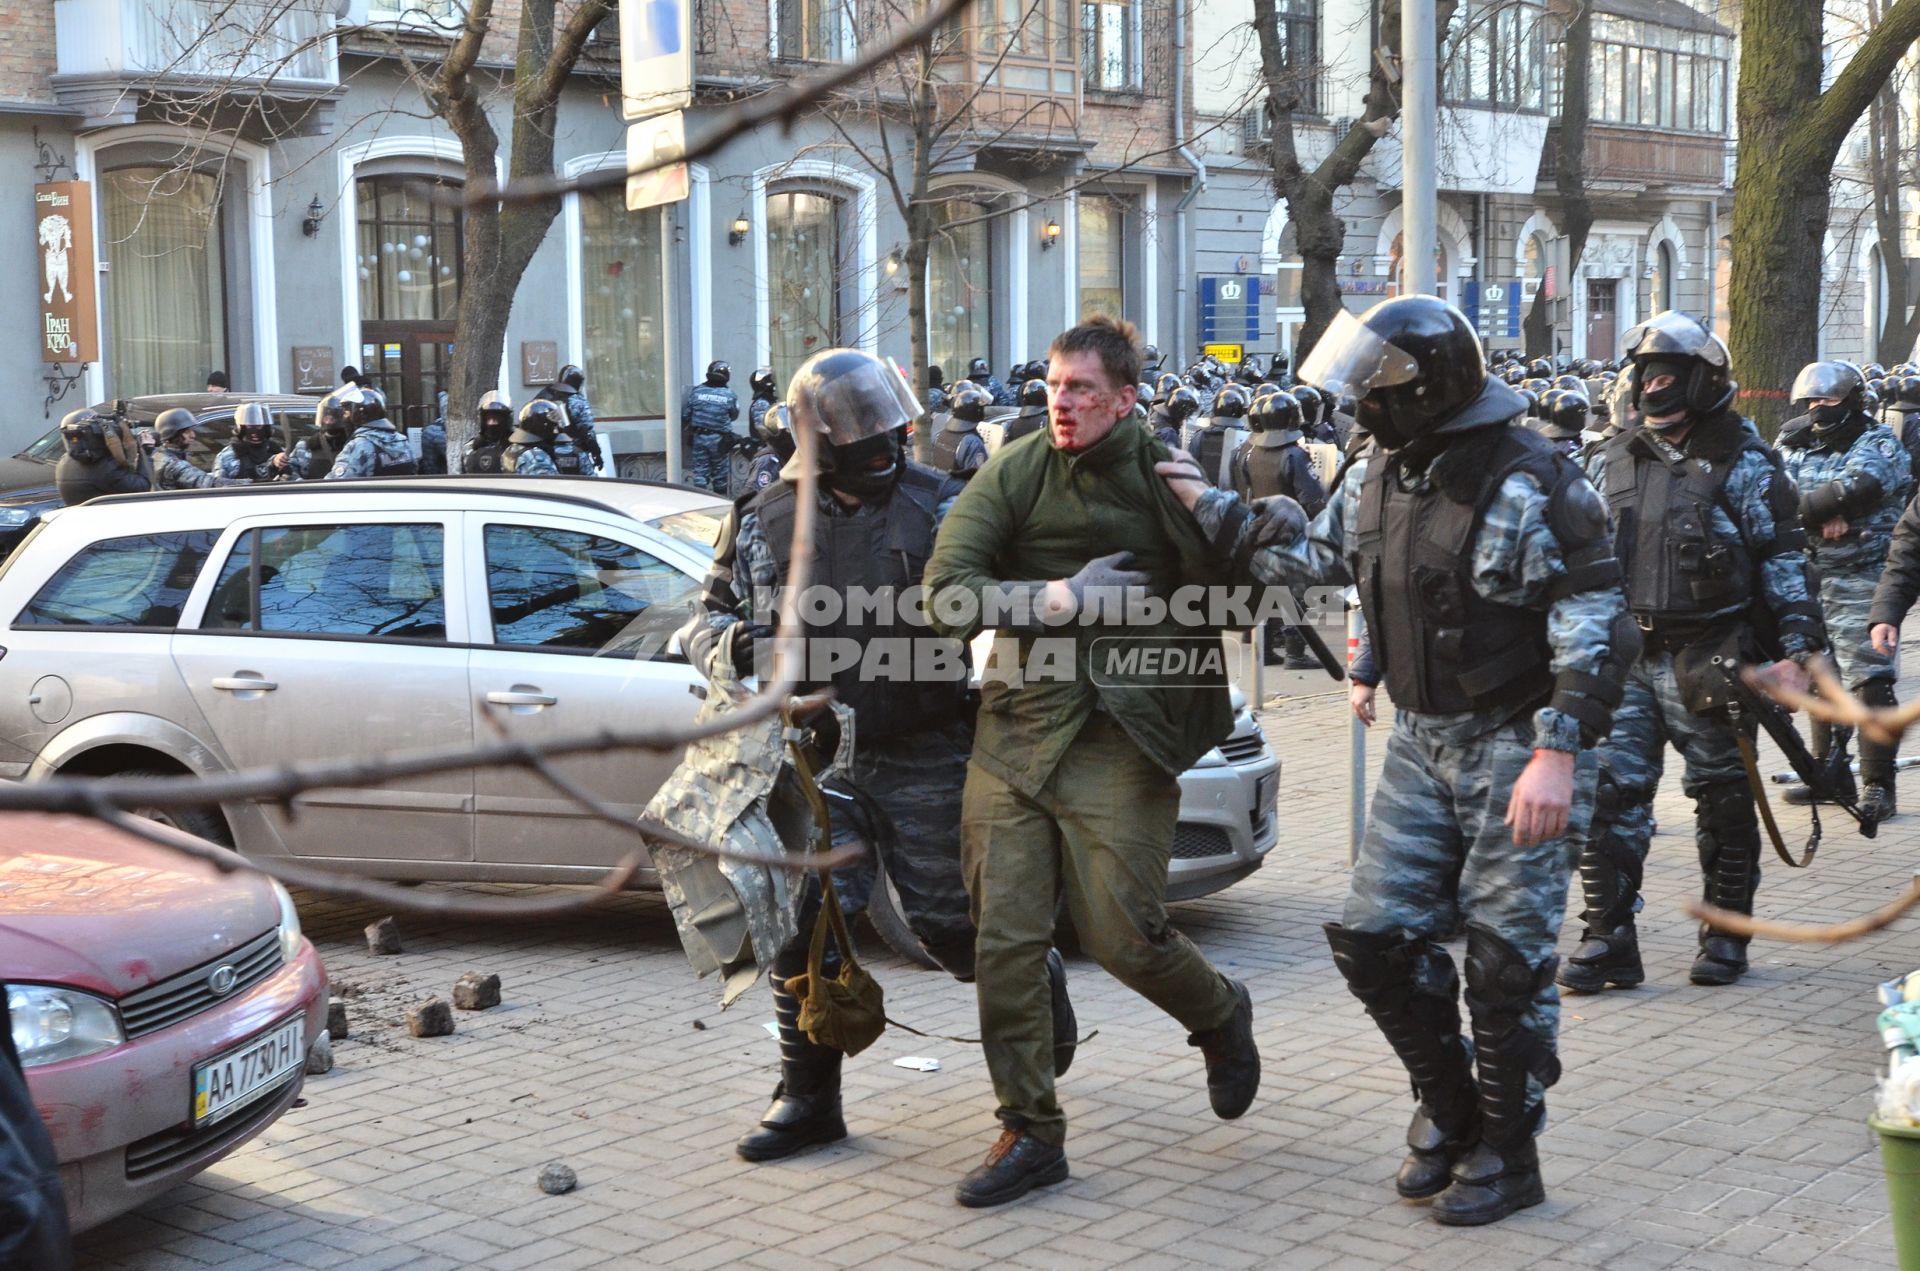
1900, 1155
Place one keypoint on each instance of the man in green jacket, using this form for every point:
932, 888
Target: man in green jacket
1097, 697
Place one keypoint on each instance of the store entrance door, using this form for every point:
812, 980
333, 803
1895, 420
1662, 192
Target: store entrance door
408, 361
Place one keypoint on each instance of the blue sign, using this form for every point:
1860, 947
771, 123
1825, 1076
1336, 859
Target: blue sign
1230, 309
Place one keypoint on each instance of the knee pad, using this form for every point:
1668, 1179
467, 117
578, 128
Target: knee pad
1387, 970
1876, 692
1501, 986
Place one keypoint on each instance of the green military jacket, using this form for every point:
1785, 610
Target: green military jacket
1036, 513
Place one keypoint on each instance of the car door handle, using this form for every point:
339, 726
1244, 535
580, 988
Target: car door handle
520, 697
244, 684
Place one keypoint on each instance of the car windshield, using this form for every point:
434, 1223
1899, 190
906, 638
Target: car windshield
45, 450
699, 526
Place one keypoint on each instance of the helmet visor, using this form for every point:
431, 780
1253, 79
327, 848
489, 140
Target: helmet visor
850, 398
1675, 335
1836, 380
1352, 360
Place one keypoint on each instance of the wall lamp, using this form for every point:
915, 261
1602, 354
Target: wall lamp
1049, 234
738, 234
311, 225
894, 261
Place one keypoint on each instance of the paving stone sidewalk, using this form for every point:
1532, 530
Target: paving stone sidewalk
1695, 1128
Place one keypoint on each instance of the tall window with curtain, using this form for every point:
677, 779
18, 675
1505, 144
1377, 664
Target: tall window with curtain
960, 280
166, 291
1103, 226
805, 232
409, 250
1660, 283
623, 315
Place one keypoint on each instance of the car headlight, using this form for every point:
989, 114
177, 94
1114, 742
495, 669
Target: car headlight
289, 923
51, 1024
15, 517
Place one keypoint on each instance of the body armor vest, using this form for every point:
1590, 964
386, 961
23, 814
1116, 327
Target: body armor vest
567, 464
1679, 572
886, 547
1266, 471
1026, 423
510, 457
485, 459
1442, 646
1211, 446
383, 466
946, 443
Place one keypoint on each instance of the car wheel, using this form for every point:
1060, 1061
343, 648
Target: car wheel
889, 922
202, 822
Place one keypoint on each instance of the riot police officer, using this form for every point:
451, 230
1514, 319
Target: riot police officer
959, 450
1854, 479
376, 448
172, 470
529, 451
980, 373
100, 457
1172, 414
709, 412
1313, 412
489, 444
1033, 412
1504, 652
1150, 362
433, 439
764, 396
1221, 436
254, 454
776, 434
1707, 528
1563, 416
937, 395
874, 529
313, 455
1269, 462
569, 388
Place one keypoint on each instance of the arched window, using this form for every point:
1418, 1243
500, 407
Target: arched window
807, 233
960, 287
166, 292
1660, 281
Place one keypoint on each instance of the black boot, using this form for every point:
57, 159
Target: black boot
1066, 1027
1233, 1061
1422, 1024
1501, 1175
806, 1104
1877, 767
1609, 952
1727, 832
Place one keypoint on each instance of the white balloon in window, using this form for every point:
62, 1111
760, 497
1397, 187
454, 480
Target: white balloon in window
405, 275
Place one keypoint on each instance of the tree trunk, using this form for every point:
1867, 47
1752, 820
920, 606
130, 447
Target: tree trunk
1901, 327
1790, 133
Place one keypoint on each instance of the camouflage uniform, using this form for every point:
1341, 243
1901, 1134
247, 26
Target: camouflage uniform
524, 459
1436, 848
376, 449
302, 462
579, 410
255, 466
1754, 517
709, 412
433, 447
569, 459
172, 470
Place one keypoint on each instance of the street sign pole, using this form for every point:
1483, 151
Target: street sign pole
1419, 104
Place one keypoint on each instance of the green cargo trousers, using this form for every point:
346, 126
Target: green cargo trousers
1100, 831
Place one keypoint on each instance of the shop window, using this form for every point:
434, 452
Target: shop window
166, 290
622, 315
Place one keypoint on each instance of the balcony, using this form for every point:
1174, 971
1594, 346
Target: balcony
112, 57
1029, 104
1642, 158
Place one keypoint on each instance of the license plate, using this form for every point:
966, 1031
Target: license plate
1264, 791
231, 1081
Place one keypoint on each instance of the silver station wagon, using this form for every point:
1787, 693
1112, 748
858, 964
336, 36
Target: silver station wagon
206, 631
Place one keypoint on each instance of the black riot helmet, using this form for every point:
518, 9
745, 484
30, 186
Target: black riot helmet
1569, 416
496, 415
1183, 403
936, 378
1150, 356
1840, 381
1233, 401
252, 424
978, 371
1412, 365
1164, 384
84, 433
969, 401
540, 422
1873, 371
860, 406
1033, 392
1277, 369
1673, 343
1532, 400
1312, 405
761, 382
1276, 412
1143, 393
572, 376
776, 429
1906, 394
718, 373
172, 423
1540, 369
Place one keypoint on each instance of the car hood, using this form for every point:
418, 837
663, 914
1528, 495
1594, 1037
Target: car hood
24, 480
86, 905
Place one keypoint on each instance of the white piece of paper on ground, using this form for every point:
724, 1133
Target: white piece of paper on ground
918, 1063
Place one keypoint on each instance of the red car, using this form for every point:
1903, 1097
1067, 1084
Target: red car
162, 1009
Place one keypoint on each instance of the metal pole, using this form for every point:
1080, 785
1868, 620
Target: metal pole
1356, 747
1419, 171
669, 344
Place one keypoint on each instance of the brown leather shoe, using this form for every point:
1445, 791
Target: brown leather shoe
1015, 1165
